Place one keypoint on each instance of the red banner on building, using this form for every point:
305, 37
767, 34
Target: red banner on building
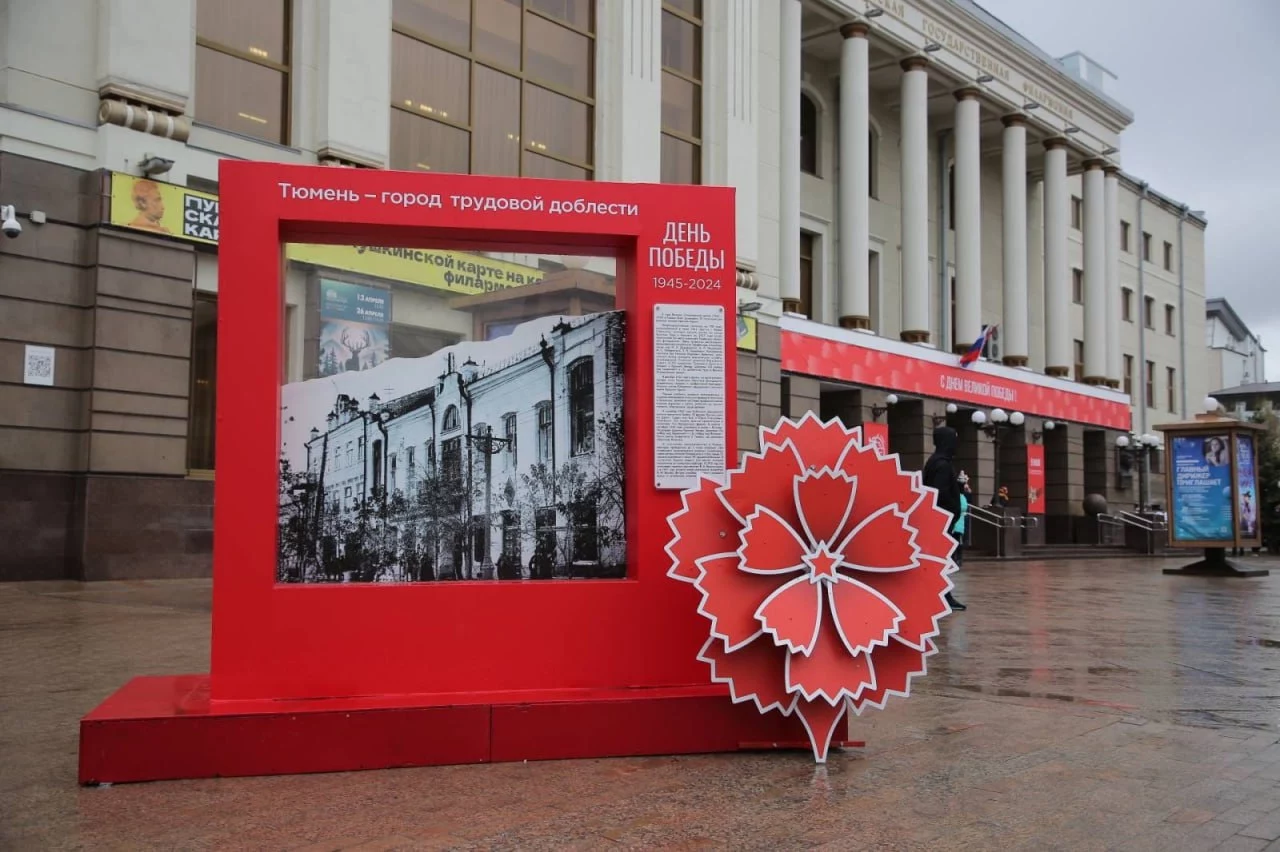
876, 434
1035, 479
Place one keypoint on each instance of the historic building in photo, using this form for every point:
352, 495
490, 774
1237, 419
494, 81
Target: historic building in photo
510, 469
908, 173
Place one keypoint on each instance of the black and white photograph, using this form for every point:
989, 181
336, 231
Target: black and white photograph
490, 460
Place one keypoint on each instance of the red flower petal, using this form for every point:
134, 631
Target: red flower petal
896, 664
919, 595
793, 613
820, 720
703, 527
881, 482
828, 672
932, 525
863, 616
770, 545
730, 598
882, 542
764, 480
751, 672
825, 500
824, 443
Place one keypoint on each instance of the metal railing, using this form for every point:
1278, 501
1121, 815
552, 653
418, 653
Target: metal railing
1112, 529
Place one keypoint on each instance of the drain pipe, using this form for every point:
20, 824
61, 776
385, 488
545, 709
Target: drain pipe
1182, 314
944, 280
1145, 473
1142, 317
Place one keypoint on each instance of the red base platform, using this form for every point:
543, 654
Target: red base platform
166, 728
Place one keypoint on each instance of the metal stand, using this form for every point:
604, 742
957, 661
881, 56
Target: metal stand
1216, 564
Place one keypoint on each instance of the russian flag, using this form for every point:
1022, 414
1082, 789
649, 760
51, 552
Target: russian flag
975, 351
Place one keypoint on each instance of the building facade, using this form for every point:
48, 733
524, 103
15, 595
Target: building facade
908, 172
1236, 355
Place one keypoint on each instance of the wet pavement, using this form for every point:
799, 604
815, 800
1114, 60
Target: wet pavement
1075, 705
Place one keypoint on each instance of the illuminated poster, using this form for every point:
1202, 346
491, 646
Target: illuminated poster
353, 327
1247, 486
1036, 503
1202, 494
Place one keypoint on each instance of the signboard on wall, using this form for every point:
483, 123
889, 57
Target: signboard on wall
354, 322
169, 210
748, 333
1036, 502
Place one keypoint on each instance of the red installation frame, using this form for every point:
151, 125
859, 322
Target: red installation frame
338, 677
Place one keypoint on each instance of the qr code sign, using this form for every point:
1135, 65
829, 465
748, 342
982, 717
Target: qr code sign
39, 366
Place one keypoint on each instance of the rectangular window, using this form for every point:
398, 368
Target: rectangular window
509, 433
1146, 247
1077, 286
1079, 359
582, 407
242, 67
1169, 314
681, 152
510, 91
1124, 236
204, 357
806, 274
1149, 312
1173, 385
1128, 375
1077, 212
544, 433
1151, 384
451, 461
1168, 256
1126, 304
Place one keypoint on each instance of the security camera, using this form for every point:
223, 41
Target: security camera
9, 224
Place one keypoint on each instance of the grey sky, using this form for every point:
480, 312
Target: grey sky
1202, 82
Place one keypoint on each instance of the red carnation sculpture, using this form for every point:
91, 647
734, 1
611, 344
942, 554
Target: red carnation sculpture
823, 569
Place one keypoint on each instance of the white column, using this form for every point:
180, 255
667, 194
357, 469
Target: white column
855, 178
629, 91
1115, 361
1057, 299
915, 200
968, 223
1095, 275
352, 111
1013, 333
789, 159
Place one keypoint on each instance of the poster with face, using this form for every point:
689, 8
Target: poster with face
1203, 508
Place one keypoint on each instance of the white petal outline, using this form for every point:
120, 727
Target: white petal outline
715, 621
875, 643
896, 460
742, 698
742, 543
949, 569
926, 653
675, 516
806, 648
769, 434
786, 447
845, 692
809, 475
820, 755
912, 534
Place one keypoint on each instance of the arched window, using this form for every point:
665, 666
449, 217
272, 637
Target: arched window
808, 135
451, 418
582, 407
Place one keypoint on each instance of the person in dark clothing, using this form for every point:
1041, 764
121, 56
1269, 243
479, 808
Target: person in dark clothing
940, 474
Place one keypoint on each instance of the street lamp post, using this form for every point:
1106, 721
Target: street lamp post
993, 427
1139, 449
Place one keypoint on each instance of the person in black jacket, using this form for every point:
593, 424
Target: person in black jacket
940, 474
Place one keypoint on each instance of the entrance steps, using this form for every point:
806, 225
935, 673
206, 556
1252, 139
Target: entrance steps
1057, 553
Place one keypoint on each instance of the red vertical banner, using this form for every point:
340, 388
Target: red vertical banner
876, 434
1035, 479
